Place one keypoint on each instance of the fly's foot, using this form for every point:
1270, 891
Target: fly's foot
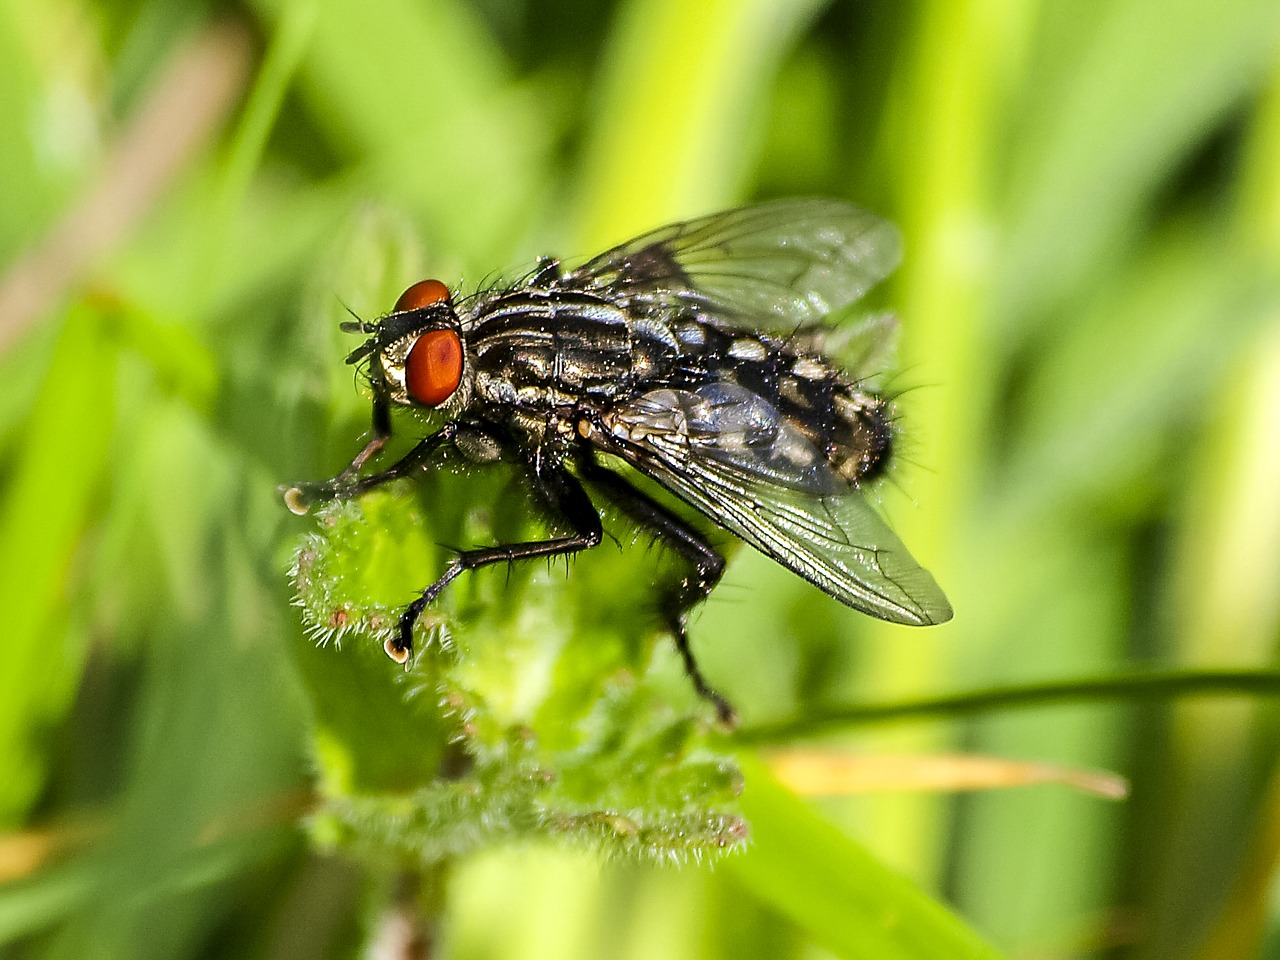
397, 649
301, 497
399, 646
726, 716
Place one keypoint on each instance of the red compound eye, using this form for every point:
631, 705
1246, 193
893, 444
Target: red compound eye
434, 367
422, 294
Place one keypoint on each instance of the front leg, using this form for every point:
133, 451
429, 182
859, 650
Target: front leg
301, 497
565, 499
381, 434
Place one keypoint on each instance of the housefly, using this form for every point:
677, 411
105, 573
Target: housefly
689, 353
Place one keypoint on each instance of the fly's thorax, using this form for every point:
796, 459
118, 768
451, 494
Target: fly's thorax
543, 349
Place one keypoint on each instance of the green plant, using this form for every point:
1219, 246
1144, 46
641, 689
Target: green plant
1088, 302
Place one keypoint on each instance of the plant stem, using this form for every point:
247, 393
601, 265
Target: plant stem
1162, 685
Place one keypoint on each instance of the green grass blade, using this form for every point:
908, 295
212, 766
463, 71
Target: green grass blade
45, 508
1120, 100
846, 900
685, 146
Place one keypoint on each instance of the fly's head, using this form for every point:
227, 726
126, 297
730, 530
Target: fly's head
416, 353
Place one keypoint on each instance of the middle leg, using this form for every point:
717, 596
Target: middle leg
567, 501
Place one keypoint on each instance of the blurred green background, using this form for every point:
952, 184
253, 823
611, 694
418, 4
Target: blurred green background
1090, 304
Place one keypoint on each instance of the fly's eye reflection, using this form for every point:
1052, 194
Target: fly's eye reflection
433, 369
688, 354
422, 294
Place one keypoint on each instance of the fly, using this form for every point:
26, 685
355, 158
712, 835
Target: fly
690, 354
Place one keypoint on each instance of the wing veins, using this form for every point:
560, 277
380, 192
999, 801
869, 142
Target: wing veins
786, 530
769, 265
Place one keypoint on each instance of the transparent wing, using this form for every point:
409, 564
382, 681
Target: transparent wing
740, 463
866, 349
775, 265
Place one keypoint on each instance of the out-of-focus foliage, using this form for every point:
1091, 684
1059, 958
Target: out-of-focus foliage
1090, 305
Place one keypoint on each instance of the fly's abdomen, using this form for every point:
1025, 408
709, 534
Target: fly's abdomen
851, 425
861, 435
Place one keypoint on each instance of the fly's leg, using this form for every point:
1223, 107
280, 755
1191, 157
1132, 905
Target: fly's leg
566, 500
301, 497
676, 601
381, 434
